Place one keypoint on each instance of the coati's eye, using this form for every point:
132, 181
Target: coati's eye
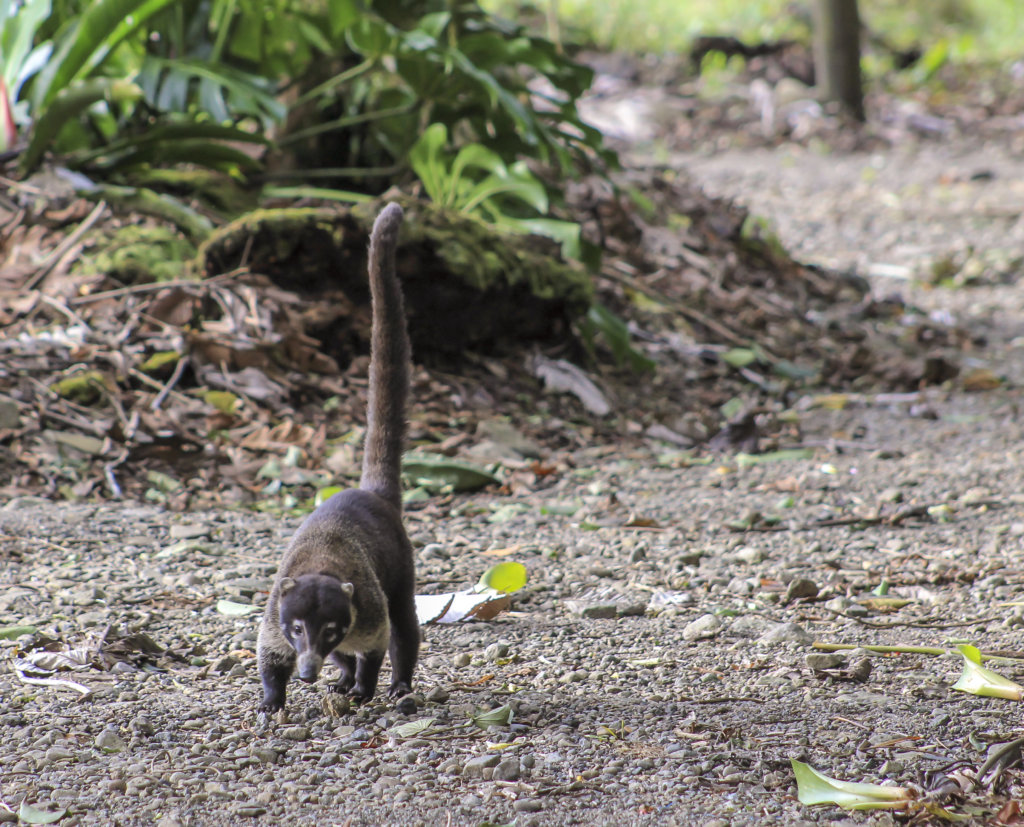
297, 628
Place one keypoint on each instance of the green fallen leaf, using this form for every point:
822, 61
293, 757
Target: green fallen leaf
223, 401
435, 472
502, 716
413, 728
232, 609
739, 357
882, 589
979, 680
14, 632
30, 815
506, 577
813, 787
160, 360
745, 460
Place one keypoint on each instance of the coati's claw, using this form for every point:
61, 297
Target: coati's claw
397, 690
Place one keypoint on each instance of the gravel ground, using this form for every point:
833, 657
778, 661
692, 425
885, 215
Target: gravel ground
656, 665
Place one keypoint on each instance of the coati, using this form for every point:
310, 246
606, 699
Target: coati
345, 587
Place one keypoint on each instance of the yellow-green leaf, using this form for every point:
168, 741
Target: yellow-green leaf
504, 577
159, 361
979, 680
223, 401
813, 787
324, 494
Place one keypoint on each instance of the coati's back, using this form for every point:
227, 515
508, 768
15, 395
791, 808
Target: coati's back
389, 365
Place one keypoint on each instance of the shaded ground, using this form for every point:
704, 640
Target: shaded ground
681, 705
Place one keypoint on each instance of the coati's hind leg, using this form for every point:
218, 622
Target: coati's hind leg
275, 670
405, 646
347, 666
367, 672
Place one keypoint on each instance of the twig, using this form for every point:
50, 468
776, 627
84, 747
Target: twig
160, 397
158, 285
58, 253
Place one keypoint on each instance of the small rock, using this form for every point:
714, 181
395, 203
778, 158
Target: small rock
785, 633
474, 767
10, 418
225, 664
801, 587
592, 611
820, 661
438, 695
496, 651
632, 609
527, 805
838, 604
891, 495
142, 725
188, 531
407, 704
507, 770
109, 741
250, 810
264, 754
462, 659
705, 626
334, 704
748, 555
296, 733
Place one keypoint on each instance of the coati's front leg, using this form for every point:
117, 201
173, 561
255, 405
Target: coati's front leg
367, 672
404, 648
347, 666
275, 670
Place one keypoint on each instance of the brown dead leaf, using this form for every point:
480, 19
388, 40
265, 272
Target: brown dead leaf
981, 379
502, 552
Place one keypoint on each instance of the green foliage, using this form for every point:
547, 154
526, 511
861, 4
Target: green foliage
477, 181
602, 322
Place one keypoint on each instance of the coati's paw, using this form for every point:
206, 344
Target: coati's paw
270, 706
398, 689
360, 693
340, 687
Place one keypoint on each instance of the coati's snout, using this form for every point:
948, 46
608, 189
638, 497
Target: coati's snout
316, 614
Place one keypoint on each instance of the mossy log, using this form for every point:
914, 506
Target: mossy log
466, 285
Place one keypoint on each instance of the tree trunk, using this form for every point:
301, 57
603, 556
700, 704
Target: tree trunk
837, 54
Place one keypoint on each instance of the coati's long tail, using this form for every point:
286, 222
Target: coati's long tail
389, 365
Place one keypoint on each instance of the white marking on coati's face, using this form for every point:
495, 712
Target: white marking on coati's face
315, 614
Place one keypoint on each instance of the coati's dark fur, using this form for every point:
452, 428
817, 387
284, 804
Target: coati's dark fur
345, 588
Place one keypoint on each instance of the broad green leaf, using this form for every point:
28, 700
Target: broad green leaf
30, 815
436, 471
342, 14
67, 105
814, 787
233, 609
979, 680
413, 728
502, 716
98, 31
506, 577
13, 632
426, 161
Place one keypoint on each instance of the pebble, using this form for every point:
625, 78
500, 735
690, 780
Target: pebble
109, 741
295, 733
507, 770
786, 633
705, 626
527, 805
474, 767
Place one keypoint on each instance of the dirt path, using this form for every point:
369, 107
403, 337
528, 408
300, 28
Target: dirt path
657, 663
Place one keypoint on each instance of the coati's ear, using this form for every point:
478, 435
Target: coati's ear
287, 584
347, 589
